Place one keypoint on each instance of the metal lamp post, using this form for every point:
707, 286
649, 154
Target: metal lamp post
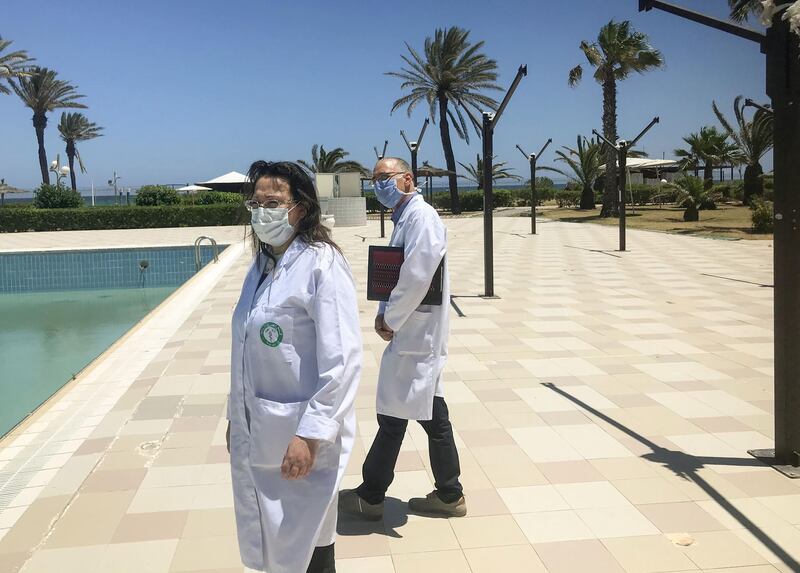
532, 158
413, 147
622, 146
383, 209
486, 129
782, 49
59, 170
113, 183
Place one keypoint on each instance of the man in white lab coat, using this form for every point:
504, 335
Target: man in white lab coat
410, 379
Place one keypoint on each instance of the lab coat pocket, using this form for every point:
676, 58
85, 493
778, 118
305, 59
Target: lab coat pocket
272, 427
415, 337
276, 329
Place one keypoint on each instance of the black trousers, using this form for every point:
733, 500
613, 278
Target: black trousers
322, 560
378, 469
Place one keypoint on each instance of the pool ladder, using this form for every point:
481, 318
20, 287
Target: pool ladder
198, 263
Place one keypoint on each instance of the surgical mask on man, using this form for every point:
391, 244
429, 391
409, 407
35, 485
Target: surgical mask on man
272, 225
388, 193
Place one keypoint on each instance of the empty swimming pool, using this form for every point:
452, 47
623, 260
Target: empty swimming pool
59, 310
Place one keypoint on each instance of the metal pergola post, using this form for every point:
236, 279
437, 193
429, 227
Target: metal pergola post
533, 158
782, 50
413, 147
622, 148
490, 120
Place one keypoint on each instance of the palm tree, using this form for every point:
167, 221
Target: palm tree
585, 162
709, 147
753, 139
499, 171
691, 194
12, 65
742, 9
42, 91
75, 127
619, 51
332, 161
449, 79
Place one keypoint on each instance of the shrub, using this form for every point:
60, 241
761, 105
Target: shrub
213, 198
642, 194
30, 219
730, 189
56, 197
762, 216
568, 198
154, 195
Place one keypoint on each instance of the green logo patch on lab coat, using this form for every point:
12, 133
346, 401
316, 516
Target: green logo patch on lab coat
271, 334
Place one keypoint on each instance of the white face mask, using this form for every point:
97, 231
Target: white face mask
272, 225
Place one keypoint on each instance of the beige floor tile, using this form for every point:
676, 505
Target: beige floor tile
206, 553
490, 531
778, 545
652, 554
357, 539
650, 490
786, 506
483, 502
717, 549
514, 473
624, 468
577, 556
680, 517
728, 513
569, 472
365, 565
591, 495
150, 526
427, 535
182, 498
209, 523
553, 526
543, 444
114, 480
67, 560
511, 558
91, 519
529, 499
431, 562
142, 557
618, 521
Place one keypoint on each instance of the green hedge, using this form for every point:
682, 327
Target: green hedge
31, 219
762, 216
213, 198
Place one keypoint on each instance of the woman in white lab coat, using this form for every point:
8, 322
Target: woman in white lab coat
295, 368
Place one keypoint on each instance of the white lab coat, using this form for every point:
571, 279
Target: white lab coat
411, 367
295, 368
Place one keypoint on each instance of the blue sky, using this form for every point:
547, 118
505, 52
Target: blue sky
189, 90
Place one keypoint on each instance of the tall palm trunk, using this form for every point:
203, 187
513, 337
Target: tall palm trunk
39, 124
708, 175
71, 161
587, 196
449, 158
753, 183
610, 203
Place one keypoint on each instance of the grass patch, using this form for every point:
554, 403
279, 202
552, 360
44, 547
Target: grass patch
726, 221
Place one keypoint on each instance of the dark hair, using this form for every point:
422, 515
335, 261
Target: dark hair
310, 227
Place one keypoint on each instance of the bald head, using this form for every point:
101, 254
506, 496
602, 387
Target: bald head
392, 164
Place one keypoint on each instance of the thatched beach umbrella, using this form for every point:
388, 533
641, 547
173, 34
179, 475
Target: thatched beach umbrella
6, 188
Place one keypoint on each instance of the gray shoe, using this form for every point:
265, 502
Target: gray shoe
352, 504
433, 505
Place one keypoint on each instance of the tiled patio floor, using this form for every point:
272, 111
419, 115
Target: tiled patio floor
603, 407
